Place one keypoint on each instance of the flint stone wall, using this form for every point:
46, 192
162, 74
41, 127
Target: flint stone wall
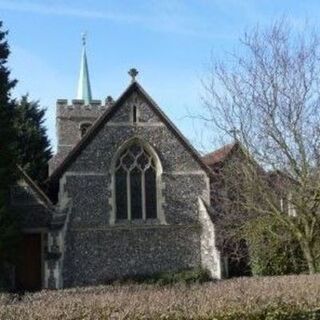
97, 251
96, 256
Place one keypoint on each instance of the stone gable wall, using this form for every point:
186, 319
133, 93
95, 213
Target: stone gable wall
96, 250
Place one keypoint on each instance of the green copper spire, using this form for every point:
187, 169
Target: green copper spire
84, 88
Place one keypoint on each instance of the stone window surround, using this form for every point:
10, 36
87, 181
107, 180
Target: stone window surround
159, 185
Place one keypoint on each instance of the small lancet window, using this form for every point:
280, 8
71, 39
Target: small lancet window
84, 127
135, 184
134, 114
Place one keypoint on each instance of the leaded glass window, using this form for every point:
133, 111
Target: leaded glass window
136, 184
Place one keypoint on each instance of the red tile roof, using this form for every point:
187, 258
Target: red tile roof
219, 155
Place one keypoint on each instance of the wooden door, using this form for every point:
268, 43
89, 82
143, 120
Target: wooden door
29, 268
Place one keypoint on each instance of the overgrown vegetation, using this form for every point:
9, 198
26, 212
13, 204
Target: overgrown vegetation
271, 254
265, 96
168, 278
276, 298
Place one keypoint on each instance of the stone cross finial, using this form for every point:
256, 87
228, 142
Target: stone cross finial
133, 72
109, 101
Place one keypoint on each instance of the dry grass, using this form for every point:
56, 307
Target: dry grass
199, 301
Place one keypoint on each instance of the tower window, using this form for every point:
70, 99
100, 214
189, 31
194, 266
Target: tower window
135, 184
84, 127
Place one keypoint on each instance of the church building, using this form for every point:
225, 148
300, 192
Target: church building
128, 195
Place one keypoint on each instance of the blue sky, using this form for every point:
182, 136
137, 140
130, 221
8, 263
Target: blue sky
169, 41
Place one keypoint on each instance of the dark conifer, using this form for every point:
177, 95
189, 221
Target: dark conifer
8, 157
33, 143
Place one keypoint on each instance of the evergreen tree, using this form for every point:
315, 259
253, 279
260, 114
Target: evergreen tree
8, 156
33, 143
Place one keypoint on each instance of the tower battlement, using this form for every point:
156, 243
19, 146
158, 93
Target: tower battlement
79, 109
73, 119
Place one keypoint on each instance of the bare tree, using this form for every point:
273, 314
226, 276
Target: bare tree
268, 94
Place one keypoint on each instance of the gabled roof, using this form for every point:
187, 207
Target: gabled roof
35, 188
134, 86
219, 155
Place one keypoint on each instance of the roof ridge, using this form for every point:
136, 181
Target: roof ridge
231, 145
219, 154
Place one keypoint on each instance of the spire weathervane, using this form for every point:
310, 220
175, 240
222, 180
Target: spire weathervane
84, 88
133, 72
84, 38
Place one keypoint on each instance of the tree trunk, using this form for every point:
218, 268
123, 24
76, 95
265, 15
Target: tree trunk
307, 252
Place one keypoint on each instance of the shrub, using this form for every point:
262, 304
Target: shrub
272, 249
189, 276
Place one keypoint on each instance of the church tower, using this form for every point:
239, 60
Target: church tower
74, 119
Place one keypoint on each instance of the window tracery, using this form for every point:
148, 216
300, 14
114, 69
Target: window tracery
135, 184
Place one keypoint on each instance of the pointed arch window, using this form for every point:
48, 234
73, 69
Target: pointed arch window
135, 184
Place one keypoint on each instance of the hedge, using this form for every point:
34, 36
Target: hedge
270, 298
